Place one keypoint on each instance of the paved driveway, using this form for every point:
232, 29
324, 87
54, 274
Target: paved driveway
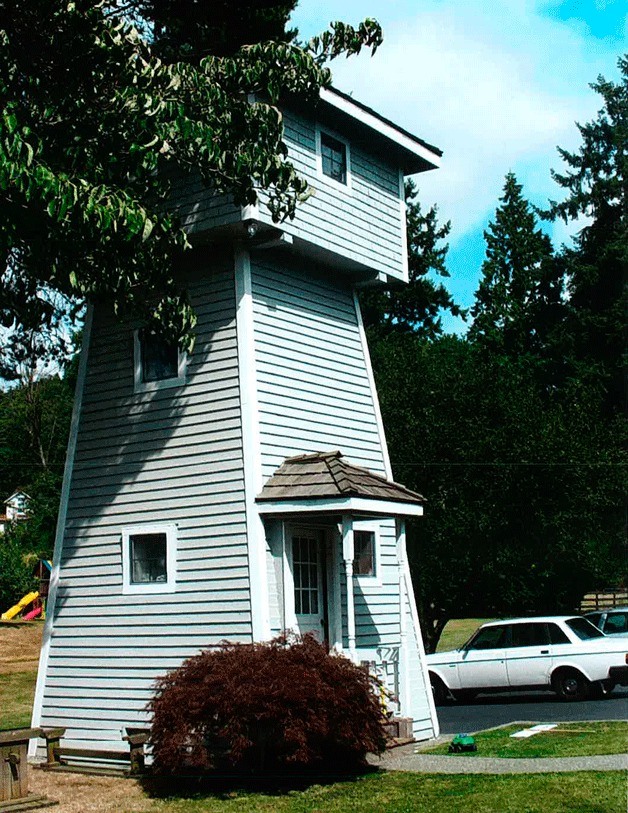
488, 711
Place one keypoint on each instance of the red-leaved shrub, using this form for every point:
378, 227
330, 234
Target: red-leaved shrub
283, 705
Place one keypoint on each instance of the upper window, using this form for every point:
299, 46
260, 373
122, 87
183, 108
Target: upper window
149, 559
584, 629
334, 158
364, 553
158, 363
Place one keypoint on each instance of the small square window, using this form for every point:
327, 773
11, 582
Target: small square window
364, 553
159, 358
334, 158
149, 559
158, 363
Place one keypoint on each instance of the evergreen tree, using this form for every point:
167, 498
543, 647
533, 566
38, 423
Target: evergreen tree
519, 300
596, 180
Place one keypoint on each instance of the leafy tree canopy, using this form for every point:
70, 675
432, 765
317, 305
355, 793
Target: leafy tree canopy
94, 123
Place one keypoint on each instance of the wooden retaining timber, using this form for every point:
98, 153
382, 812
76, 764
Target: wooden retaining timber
14, 793
83, 760
604, 599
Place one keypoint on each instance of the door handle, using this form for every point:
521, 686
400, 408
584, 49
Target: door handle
545, 652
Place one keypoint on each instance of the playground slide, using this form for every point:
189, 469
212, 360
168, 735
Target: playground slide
17, 608
34, 613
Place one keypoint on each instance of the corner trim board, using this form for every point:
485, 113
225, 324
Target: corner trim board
252, 462
60, 530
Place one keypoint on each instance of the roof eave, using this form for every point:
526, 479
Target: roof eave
417, 155
363, 506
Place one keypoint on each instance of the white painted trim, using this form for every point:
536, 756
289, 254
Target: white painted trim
384, 129
371, 378
169, 586
165, 383
404, 672
251, 446
290, 616
421, 647
344, 187
373, 527
334, 600
60, 530
347, 555
346, 505
405, 274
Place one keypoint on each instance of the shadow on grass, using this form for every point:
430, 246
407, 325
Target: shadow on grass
223, 785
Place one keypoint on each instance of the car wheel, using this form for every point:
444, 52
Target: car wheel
602, 689
439, 690
571, 685
464, 695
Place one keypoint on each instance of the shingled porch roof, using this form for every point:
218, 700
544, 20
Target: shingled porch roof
327, 478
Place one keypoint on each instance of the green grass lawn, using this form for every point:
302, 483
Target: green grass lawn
457, 631
567, 740
16, 699
590, 792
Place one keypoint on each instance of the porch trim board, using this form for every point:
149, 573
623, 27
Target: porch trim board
356, 506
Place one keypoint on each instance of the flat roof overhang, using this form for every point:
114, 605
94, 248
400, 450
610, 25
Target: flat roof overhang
356, 506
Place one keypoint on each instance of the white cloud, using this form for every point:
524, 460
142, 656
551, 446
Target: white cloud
497, 86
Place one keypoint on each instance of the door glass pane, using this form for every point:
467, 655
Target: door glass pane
306, 575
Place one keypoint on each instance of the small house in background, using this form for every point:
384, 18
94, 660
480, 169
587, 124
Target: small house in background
15, 509
245, 488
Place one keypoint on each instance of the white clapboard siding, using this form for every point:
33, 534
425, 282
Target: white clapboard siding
314, 395
362, 222
169, 456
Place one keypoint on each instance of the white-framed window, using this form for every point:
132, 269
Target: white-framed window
366, 553
157, 362
149, 559
334, 158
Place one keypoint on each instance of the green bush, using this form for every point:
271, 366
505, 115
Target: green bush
282, 706
16, 569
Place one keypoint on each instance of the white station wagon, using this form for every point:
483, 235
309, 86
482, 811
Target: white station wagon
567, 654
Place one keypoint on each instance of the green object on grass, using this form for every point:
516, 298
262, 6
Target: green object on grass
461, 743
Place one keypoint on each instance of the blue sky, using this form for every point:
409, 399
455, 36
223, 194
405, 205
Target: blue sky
496, 85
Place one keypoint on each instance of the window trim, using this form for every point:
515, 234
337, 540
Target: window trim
370, 527
169, 586
150, 386
346, 187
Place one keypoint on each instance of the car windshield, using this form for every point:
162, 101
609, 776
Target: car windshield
584, 629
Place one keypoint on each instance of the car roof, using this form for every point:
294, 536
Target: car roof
536, 618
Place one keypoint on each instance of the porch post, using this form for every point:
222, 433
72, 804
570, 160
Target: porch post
404, 680
348, 556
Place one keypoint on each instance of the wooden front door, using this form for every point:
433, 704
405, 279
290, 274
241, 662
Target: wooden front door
308, 570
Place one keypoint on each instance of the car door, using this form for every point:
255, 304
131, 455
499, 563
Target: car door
529, 656
483, 662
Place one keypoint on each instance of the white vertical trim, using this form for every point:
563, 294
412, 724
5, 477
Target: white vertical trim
334, 608
289, 615
404, 672
347, 555
371, 379
405, 270
60, 530
419, 641
249, 409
